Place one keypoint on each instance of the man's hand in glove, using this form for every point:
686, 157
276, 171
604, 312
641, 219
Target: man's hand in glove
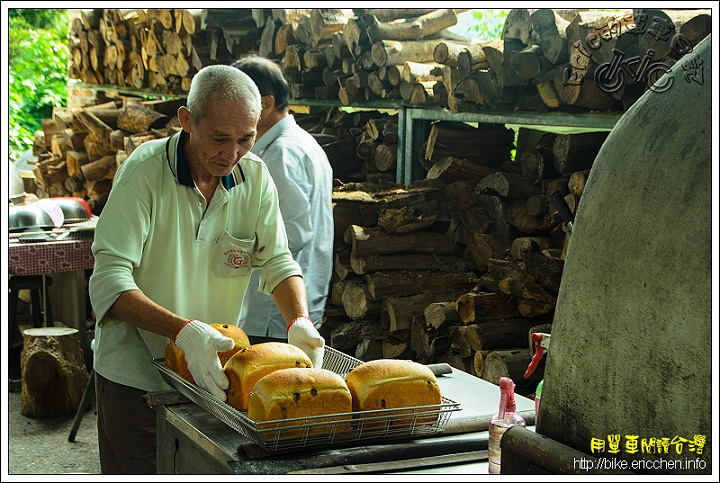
303, 334
201, 343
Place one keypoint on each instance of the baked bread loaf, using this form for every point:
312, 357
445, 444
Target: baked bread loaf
391, 384
248, 365
175, 356
297, 393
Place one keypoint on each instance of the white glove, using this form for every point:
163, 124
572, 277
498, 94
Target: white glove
303, 334
201, 343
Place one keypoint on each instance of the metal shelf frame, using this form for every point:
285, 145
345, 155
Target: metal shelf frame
414, 120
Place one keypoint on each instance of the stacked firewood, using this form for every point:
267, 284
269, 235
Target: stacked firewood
157, 49
361, 146
457, 267
545, 59
402, 287
510, 230
358, 55
80, 149
462, 265
392, 258
573, 60
347, 54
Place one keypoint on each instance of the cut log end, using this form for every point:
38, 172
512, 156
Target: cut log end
53, 371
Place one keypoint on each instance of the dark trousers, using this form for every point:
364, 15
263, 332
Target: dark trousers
127, 429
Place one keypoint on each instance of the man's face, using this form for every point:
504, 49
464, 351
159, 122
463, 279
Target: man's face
220, 139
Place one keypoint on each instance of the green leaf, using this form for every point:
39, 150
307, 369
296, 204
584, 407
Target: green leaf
38, 54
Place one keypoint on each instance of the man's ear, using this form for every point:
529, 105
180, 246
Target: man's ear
185, 118
267, 102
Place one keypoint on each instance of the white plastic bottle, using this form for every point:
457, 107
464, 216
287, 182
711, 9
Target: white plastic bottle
501, 422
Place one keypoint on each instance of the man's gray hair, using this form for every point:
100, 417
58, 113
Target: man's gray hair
219, 83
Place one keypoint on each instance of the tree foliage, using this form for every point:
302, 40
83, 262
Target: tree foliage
37, 78
488, 23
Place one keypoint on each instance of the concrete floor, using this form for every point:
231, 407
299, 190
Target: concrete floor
41, 446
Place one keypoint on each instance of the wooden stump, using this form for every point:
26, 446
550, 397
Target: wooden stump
53, 372
513, 364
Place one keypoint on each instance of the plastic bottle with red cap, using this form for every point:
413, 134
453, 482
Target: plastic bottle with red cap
505, 419
541, 342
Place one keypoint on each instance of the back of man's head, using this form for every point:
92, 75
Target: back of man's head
268, 77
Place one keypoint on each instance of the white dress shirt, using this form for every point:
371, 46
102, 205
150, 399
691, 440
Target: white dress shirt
303, 177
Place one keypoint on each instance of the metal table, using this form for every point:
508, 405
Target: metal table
193, 441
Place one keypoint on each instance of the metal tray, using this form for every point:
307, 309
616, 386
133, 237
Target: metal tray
325, 430
69, 231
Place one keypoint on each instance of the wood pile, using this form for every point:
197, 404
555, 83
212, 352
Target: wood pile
545, 59
392, 258
577, 60
361, 146
402, 286
80, 149
462, 266
157, 49
358, 55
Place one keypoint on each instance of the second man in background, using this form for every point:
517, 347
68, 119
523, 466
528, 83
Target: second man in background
303, 176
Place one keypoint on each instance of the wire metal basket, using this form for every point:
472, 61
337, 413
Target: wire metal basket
324, 430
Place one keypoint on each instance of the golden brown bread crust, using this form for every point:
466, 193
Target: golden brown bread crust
297, 393
251, 363
175, 356
391, 384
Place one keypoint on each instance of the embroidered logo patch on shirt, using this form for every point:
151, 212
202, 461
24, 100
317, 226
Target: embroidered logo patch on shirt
237, 259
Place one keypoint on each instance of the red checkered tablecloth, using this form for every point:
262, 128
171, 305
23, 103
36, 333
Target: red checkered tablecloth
50, 257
